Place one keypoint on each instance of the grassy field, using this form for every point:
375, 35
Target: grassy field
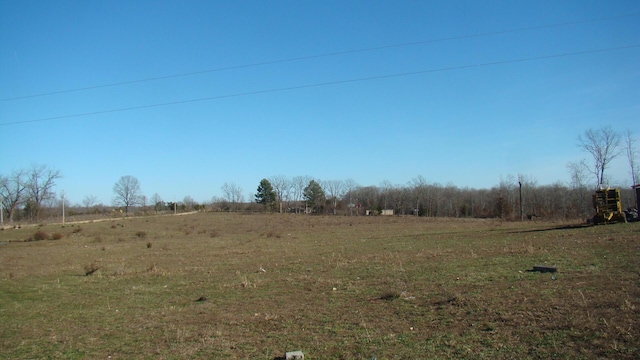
231, 286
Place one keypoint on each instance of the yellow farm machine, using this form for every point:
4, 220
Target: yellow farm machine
606, 203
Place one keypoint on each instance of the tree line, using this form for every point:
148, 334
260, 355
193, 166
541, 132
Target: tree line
26, 193
514, 198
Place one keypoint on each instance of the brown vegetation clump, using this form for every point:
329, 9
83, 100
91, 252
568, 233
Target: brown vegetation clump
39, 236
273, 234
89, 269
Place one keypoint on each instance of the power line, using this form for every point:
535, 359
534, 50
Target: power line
338, 82
310, 57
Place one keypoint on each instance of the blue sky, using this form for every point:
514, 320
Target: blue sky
467, 111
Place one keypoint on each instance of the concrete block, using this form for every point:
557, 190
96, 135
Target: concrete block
294, 355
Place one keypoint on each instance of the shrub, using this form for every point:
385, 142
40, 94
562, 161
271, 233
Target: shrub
91, 268
273, 234
56, 236
390, 295
40, 235
149, 245
141, 234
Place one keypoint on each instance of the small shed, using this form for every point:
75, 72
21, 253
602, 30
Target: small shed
636, 187
387, 212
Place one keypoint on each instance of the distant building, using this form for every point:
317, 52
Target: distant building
636, 187
387, 212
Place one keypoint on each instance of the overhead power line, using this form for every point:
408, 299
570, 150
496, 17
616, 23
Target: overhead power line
310, 57
337, 82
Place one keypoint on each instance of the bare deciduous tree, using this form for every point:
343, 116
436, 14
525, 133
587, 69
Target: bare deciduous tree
335, 189
40, 186
603, 145
350, 187
398, 196
385, 186
217, 203
282, 187
157, 202
189, 202
127, 192
578, 173
420, 193
233, 194
12, 189
298, 183
89, 201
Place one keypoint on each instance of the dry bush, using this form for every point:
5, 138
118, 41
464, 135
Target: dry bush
390, 295
247, 283
149, 245
89, 269
273, 234
56, 236
141, 234
77, 230
40, 235
213, 233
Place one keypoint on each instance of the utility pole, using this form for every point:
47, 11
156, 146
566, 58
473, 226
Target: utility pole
1, 214
521, 207
62, 207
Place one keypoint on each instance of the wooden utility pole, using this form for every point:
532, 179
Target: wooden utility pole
63, 208
521, 207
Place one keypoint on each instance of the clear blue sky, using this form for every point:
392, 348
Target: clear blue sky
465, 113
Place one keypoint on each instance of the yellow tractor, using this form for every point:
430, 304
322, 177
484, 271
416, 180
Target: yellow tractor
608, 208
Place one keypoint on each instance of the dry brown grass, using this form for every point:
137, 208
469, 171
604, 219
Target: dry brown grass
334, 287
